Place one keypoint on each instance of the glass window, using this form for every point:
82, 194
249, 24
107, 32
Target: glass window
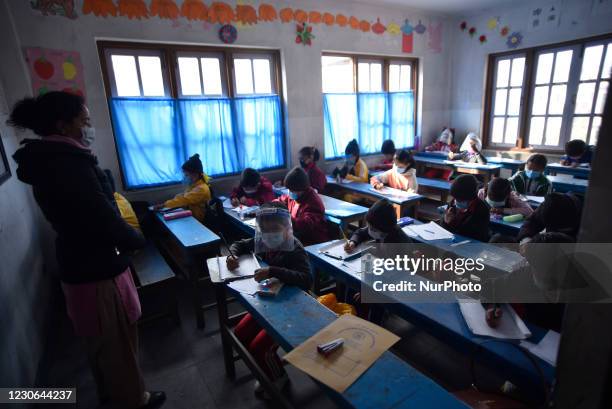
509, 77
337, 74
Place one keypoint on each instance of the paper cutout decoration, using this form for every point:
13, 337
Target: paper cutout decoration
364, 26
407, 37
329, 19
286, 15
514, 40
100, 8
165, 9
55, 70
504, 31
341, 20
378, 27
267, 12
300, 16
228, 34
304, 34
482, 39
492, 23
64, 8
435, 38
246, 14
472, 31
314, 17
544, 16
394, 29
420, 28
463, 25
133, 9
222, 13
194, 10
354, 23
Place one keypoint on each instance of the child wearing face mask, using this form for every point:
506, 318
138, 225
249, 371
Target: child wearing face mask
470, 151
287, 261
354, 168
532, 180
467, 215
197, 189
253, 190
577, 152
388, 151
502, 200
306, 208
309, 156
401, 176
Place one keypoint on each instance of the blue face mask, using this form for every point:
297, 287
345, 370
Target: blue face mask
186, 181
461, 204
532, 174
293, 195
497, 204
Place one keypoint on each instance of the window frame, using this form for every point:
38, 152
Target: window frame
136, 52
199, 55
528, 88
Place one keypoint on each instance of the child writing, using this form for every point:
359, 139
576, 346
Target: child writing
401, 176
444, 143
309, 156
559, 213
532, 181
577, 152
470, 151
388, 151
287, 261
354, 168
253, 189
197, 192
502, 200
467, 215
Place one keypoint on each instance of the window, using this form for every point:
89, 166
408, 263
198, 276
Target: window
169, 102
543, 97
369, 99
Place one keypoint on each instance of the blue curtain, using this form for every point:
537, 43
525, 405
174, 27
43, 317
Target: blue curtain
401, 127
259, 132
373, 121
147, 138
340, 123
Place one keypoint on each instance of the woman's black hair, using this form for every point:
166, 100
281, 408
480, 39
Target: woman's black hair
310, 151
388, 147
405, 157
41, 114
499, 189
250, 177
464, 187
352, 148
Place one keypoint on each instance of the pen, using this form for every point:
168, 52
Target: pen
227, 245
460, 243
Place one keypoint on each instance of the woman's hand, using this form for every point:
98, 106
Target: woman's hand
350, 245
235, 202
262, 273
232, 263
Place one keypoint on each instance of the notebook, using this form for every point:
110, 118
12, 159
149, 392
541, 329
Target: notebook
335, 249
428, 231
248, 265
510, 326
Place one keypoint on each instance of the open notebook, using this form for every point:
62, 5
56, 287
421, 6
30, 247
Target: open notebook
335, 249
428, 231
248, 265
510, 326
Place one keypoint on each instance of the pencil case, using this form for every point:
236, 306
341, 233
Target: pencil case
513, 218
405, 221
177, 215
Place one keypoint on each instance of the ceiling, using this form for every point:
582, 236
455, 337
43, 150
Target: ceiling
450, 7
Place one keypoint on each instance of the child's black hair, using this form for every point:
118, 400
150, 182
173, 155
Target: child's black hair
41, 114
538, 159
388, 147
310, 151
352, 148
575, 147
194, 165
405, 157
464, 187
249, 178
382, 216
561, 212
498, 189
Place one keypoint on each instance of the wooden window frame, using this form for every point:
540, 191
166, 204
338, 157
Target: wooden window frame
526, 95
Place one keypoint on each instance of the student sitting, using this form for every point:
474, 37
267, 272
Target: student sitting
401, 176
444, 143
502, 200
577, 152
253, 190
197, 193
309, 156
388, 151
287, 261
123, 205
306, 208
467, 215
532, 180
559, 213
470, 151
354, 168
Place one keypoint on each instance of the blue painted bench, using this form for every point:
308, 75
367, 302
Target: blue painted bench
565, 184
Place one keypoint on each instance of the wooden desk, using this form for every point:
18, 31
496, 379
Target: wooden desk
567, 184
580, 171
487, 170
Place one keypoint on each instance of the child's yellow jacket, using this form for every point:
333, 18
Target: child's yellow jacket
361, 172
127, 213
195, 198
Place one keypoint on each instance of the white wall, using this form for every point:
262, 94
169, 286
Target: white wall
469, 56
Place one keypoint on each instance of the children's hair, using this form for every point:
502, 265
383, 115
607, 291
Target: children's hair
538, 159
498, 189
266, 222
575, 147
352, 148
297, 179
405, 157
388, 147
250, 177
194, 165
41, 114
310, 151
464, 187
561, 212
382, 216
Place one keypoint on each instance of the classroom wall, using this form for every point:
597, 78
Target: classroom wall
468, 58
301, 65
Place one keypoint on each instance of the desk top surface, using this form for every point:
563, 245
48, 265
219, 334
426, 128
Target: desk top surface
365, 188
189, 231
559, 168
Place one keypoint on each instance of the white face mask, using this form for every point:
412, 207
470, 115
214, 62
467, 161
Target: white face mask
376, 234
250, 191
273, 240
88, 135
399, 169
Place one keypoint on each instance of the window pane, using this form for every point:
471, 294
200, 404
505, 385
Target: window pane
511, 130
553, 129
540, 99
405, 78
514, 101
503, 72
394, 78
126, 78
190, 76
601, 97
562, 66
545, 62
261, 68
337, 74
500, 101
590, 62
580, 128
557, 100
605, 73
584, 99
211, 72
536, 130
363, 76
244, 76
498, 130
518, 66
595, 130
375, 77
151, 76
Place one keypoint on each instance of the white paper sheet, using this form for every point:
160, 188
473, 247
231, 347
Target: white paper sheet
547, 349
510, 326
428, 231
535, 199
227, 203
335, 249
387, 191
248, 265
245, 286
